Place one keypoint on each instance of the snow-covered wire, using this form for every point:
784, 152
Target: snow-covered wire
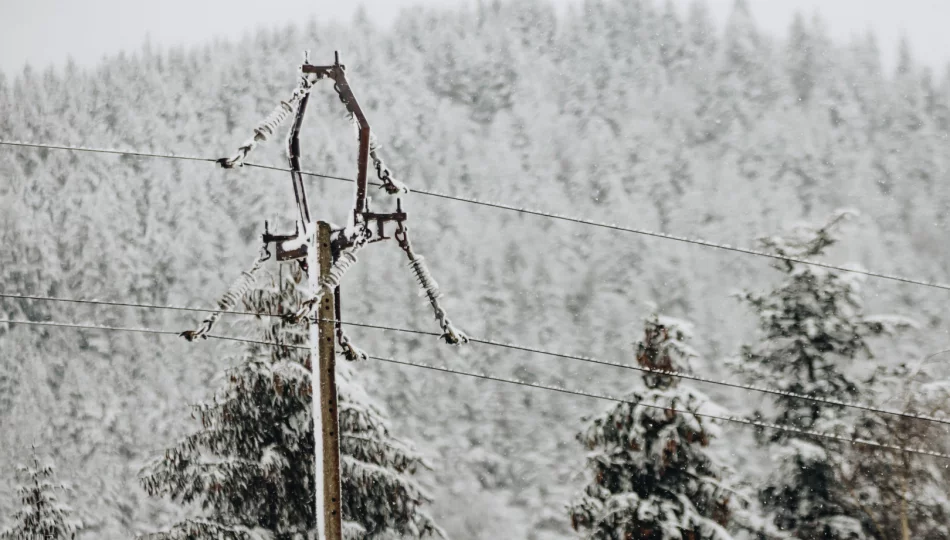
721, 382
123, 304
684, 239
141, 331
535, 212
134, 153
670, 373
535, 350
734, 419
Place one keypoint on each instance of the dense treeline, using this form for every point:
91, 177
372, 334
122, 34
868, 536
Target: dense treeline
625, 111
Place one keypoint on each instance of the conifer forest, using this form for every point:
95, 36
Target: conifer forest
691, 274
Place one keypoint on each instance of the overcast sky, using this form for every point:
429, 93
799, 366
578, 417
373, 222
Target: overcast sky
40, 32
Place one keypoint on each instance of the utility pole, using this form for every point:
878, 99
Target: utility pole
326, 430
325, 269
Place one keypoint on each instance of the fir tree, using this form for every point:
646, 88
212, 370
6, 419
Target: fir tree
653, 476
41, 516
812, 328
801, 59
251, 465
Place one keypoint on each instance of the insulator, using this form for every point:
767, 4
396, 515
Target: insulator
273, 121
235, 292
267, 127
426, 281
238, 289
329, 283
339, 267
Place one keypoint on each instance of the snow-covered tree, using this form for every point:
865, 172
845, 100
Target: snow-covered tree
902, 494
251, 465
571, 115
803, 66
652, 475
41, 515
812, 327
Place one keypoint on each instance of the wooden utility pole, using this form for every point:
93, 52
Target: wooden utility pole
326, 430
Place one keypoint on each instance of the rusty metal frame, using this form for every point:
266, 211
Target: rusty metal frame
337, 72
365, 226
361, 213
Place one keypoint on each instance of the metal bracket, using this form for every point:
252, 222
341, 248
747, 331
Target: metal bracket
337, 72
363, 225
380, 220
278, 240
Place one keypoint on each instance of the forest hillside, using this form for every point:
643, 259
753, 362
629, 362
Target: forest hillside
628, 112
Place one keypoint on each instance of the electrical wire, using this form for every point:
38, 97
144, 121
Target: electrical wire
671, 373
114, 151
734, 419
127, 304
137, 330
524, 348
533, 212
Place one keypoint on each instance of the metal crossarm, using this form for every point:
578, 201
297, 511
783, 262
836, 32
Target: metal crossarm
364, 226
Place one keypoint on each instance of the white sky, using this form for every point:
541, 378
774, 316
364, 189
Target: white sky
41, 32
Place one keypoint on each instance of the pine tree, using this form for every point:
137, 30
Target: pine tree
744, 82
653, 476
812, 327
251, 465
41, 516
802, 59
672, 40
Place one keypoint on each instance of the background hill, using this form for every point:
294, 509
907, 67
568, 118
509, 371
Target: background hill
626, 112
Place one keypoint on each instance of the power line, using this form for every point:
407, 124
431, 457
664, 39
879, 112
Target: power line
490, 342
136, 330
159, 155
533, 212
136, 153
672, 373
725, 383
524, 348
734, 419
688, 240
308, 173
128, 304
